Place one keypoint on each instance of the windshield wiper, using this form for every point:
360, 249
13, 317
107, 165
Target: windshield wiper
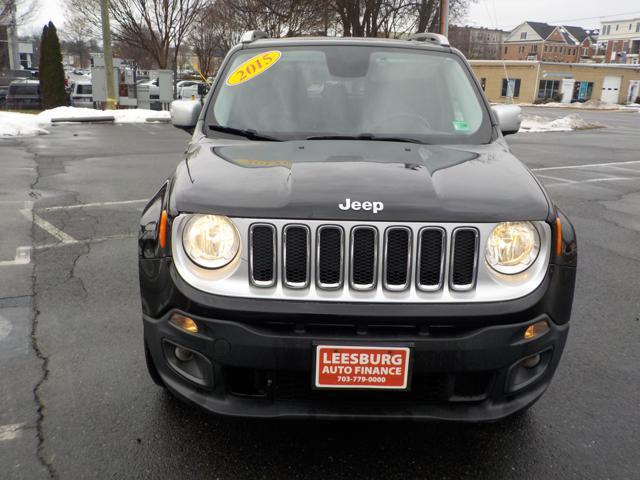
367, 136
247, 133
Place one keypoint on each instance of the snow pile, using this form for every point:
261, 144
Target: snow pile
536, 124
14, 124
588, 105
121, 116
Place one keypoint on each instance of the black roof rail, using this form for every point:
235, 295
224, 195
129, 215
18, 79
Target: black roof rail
252, 35
435, 38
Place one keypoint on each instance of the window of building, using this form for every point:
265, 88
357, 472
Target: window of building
582, 91
546, 48
523, 35
511, 87
617, 27
548, 89
638, 27
534, 48
506, 49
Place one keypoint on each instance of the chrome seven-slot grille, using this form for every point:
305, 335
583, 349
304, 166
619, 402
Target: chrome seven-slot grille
353, 257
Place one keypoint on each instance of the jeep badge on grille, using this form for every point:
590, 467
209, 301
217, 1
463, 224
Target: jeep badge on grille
349, 205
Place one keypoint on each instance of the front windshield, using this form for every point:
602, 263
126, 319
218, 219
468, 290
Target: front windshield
337, 90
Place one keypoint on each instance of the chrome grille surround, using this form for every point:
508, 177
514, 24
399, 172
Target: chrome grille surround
235, 280
285, 247
463, 287
352, 281
443, 247
385, 280
339, 284
274, 263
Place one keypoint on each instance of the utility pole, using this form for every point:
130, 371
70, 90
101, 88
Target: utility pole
444, 17
108, 55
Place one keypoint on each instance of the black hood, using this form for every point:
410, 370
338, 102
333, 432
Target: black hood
309, 179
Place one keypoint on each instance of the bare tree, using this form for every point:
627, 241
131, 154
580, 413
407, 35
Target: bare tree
79, 39
214, 33
14, 13
279, 18
392, 18
157, 26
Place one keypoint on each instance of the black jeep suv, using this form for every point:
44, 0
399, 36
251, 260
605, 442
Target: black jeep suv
349, 236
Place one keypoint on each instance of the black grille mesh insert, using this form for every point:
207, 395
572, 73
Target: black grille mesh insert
330, 251
296, 255
397, 271
262, 258
364, 256
464, 251
430, 261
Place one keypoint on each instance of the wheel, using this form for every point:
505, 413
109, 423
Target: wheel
151, 367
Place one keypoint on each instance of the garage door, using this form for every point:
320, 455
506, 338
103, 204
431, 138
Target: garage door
611, 90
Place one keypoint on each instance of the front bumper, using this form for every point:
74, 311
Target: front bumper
256, 357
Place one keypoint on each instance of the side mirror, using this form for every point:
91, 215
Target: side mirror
185, 113
509, 118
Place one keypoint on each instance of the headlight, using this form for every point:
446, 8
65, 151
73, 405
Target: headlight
211, 241
512, 247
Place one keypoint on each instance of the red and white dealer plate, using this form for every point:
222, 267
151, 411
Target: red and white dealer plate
342, 366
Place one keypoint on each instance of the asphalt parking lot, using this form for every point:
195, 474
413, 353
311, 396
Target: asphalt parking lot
77, 401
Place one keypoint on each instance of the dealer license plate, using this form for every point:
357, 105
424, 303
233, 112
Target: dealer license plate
360, 367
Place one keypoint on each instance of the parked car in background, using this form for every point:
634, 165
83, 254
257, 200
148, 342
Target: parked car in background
188, 89
3, 96
23, 95
154, 88
82, 94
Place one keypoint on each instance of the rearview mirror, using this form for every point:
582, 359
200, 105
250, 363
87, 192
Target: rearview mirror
185, 114
509, 118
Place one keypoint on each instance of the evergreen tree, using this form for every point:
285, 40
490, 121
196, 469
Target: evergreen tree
51, 71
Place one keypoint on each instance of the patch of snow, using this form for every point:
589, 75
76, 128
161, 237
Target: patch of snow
588, 105
134, 115
14, 124
537, 124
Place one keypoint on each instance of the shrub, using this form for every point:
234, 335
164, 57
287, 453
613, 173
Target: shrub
51, 73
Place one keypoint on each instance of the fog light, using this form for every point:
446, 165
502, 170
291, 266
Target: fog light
535, 330
531, 362
182, 354
184, 323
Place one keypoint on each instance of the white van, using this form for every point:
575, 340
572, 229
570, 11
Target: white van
82, 94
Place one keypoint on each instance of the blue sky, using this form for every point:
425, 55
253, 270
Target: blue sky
489, 13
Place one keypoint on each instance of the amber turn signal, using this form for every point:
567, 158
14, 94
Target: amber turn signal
558, 236
536, 330
184, 323
162, 231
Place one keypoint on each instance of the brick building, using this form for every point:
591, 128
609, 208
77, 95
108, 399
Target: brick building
619, 42
549, 43
477, 43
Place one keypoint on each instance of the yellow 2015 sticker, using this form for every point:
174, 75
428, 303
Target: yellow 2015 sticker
253, 67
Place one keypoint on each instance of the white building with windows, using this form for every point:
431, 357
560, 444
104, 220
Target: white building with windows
619, 41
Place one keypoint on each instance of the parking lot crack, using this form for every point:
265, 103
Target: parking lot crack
41, 356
